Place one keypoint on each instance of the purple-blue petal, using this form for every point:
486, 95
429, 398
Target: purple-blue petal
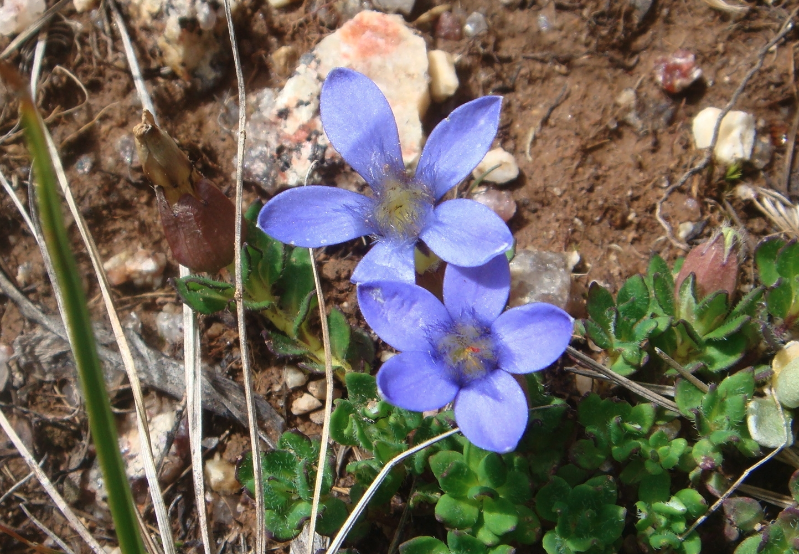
386, 261
465, 233
316, 216
492, 412
458, 144
415, 381
360, 125
531, 337
405, 316
479, 292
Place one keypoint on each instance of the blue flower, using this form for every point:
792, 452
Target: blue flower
465, 349
402, 209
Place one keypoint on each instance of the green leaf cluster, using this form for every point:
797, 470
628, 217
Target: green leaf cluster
663, 519
777, 263
289, 475
586, 516
278, 282
719, 416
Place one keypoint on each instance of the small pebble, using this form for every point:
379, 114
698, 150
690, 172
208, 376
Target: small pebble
501, 201
169, 326
142, 268
304, 404
677, 72
24, 273
18, 15
294, 377
221, 475
507, 171
476, 24
394, 6
317, 388
386, 356
317, 417
736, 134
284, 59
685, 230
84, 164
443, 77
280, 3
448, 27
540, 277
126, 148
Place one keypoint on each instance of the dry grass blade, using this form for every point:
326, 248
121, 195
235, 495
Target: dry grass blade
260, 514
55, 538
780, 500
723, 6
781, 211
49, 488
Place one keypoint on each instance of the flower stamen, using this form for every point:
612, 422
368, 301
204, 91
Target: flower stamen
402, 210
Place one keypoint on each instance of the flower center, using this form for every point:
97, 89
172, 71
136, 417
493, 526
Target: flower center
469, 350
402, 209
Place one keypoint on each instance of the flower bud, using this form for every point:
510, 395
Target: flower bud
198, 219
713, 263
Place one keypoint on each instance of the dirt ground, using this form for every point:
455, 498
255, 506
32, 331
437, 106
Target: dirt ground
591, 177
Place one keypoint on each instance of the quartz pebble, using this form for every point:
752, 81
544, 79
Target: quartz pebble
294, 377
284, 59
319, 389
507, 171
501, 201
736, 134
281, 3
143, 268
475, 25
169, 324
221, 475
304, 404
285, 136
443, 78
394, 6
317, 417
540, 277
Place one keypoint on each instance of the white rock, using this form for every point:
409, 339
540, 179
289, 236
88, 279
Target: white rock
304, 404
317, 417
169, 326
143, 268
500, 201
475, 25
280, 3
394, 6
540, 277
507, 171
765, 423
84, 5
443, 78
317, 388
736, 134
294, 377
17, 15
221, 475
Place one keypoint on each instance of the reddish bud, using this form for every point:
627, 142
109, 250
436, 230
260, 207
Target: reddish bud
198, 219
713, 263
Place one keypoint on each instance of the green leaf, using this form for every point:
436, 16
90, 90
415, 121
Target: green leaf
732, 325
423, 545
463, 543
517, 487
710, 312
282, 346
296, 281
339, 333
766, 260
309, 303
601, 307
500, 515
793, 485
788, 261
745, 513
586, 455
633, 299
663, 288
204, 295
693, 501
361, 388
341, 428
333, 516
655, 488
503, 549
528, 528
491, 471
457, 513
550, 494
779, 299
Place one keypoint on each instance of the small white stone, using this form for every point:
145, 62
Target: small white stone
736, 134
394, 6
84, 5
786, 384
475, 25
169, 326
685, 229
500, 201
443, 78
317, 388
583, 384
507, 171
386, 356
294, 377
317, 417
304, 404
221, 475
17, 15
144, 269
539, 277
284, 59
280, 3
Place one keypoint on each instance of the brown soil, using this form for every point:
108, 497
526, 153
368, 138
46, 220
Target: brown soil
591, 181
